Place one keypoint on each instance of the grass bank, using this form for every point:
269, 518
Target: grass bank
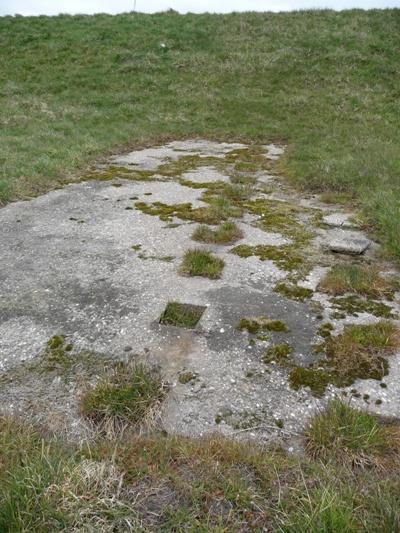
74, 88
347, 482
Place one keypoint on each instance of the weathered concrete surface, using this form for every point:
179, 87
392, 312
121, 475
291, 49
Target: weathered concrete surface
68, 266
343, 220
347, 242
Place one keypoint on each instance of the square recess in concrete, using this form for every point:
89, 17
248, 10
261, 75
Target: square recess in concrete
182, 315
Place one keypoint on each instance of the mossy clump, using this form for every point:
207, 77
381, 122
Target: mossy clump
227, 233
279, 353
165, 212
325, 330
286, 257
347, 435
283, 217
256, 324
186, 377
57, 341
316, 379
182, 315
218, 211
198, 262
360, 279
359, 352
112, 172
127, 395
175, 168
56, 355
354, 305
294, 292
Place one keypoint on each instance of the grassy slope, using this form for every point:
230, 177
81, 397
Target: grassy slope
171, 484
72, 88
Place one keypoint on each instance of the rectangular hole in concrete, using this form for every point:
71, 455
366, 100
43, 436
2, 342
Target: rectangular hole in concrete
182, 315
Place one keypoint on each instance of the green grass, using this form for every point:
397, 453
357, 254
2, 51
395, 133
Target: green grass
227, 233
342, 433
158, 482
182, 315
361, 279
201, 263
126, 395
75, 88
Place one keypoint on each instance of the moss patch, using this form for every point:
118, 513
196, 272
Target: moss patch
182, 315
56, 356
325, 330
112, 172
293, 292
285, 257
316, 380
354, 305
201, 263
358, 353
216, 212
257, 324
227, 233
279, 353
283, 217
186, 377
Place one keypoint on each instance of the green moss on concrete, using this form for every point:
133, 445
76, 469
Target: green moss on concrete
257, 324
325, 330
279, 353
354, 305
286, 257
294, 292
317, 380
186, 377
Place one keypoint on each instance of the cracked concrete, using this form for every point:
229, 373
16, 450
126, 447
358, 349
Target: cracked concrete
68, 266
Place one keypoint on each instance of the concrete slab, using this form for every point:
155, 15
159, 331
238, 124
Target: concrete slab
82, 261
